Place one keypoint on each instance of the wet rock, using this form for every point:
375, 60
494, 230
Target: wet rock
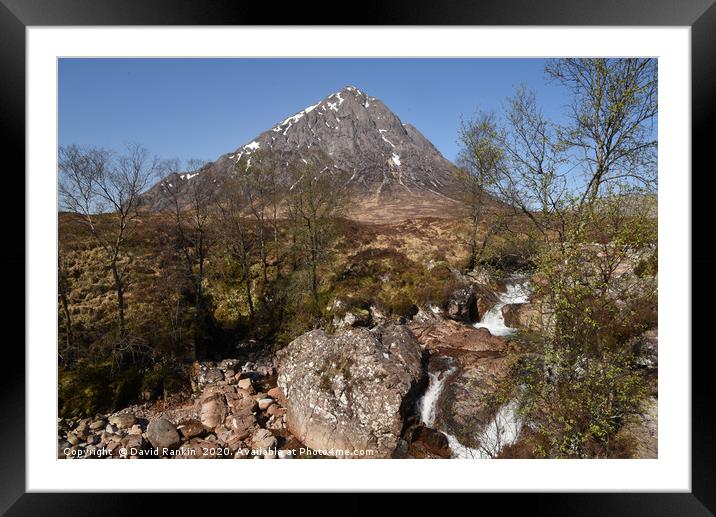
462, 305
474, 363
347, 390
426, 442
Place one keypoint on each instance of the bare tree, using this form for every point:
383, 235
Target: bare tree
316, 197
102, 190
534, 180
612, 122
192, 200
63, 290
237, 237
480, 161
261, 188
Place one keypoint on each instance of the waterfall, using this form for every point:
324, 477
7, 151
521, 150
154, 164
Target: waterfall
505, 426
516, 292
502, 430
429, 402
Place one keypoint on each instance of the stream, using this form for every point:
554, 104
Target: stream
505, 427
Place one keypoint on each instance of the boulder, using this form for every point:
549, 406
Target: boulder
191, 429
485, 299
426, 442
275, 393
242, 425
350, 390
265, 403
245, 384
461, 305
522, 315
263, 439
123, 420
212, 411
161, 433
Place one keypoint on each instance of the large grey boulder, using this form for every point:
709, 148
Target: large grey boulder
351, 390
162, 434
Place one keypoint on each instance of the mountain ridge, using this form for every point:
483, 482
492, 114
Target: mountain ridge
394, 170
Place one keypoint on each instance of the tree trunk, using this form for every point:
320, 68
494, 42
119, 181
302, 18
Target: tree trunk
68, 319
119, 288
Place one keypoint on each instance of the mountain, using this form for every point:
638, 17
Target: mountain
395, 172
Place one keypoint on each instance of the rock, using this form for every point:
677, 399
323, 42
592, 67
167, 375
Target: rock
161, 433
244, 407
242, 425
275, 393
213, 375
350, 390
72, 438
265, 403
123, 420
191, 429
136, 429
462, 305
355, 317
485, 299
475, 362
522, 315
426, 442
97, 424
263, 439
212, 412
275, 409
245, 384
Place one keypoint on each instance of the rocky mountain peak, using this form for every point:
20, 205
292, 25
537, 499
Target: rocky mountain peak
384, 157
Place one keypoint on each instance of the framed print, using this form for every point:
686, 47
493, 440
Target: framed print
441, 245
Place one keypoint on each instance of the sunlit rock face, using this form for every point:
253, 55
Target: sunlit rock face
350, 390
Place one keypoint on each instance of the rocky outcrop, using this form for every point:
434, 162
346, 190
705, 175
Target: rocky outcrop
523, 315
462, 305
351, 390
478, 363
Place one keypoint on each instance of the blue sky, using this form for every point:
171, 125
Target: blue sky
202, 108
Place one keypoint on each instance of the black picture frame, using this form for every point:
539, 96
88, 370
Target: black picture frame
700, 15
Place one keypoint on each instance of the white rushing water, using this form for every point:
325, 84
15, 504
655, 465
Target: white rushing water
517, 292
501, 431
505, 427
429, 401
